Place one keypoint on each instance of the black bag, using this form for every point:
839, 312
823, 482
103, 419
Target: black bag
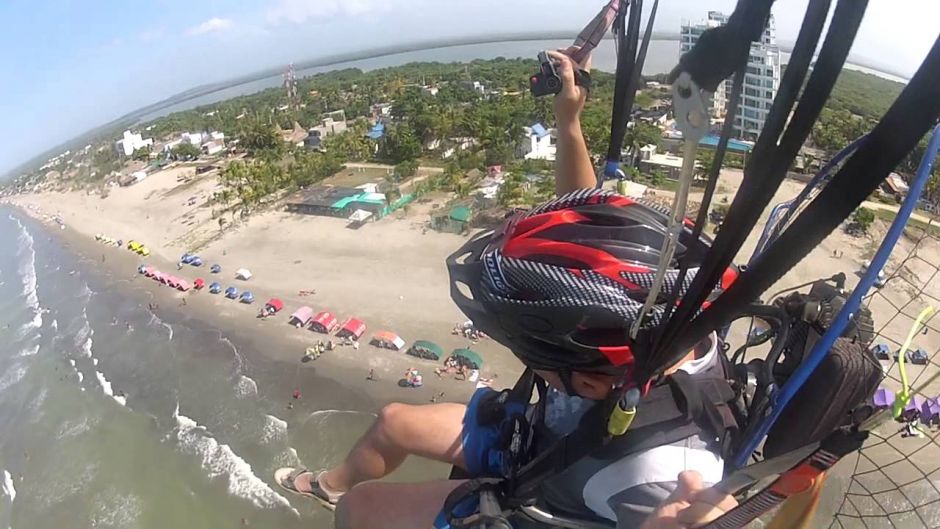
845, 379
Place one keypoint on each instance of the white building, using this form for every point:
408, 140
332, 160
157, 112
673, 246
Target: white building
194, 138
541, 144
131, 142
761, 80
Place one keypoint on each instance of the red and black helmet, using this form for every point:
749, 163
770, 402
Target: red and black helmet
561, 284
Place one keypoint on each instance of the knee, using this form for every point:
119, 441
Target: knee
354, 507
390, 422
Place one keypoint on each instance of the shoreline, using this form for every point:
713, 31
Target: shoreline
273, 339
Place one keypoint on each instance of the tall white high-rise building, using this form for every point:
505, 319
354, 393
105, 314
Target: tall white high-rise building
761, 79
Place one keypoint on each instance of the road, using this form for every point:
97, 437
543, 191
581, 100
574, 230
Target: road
891, 207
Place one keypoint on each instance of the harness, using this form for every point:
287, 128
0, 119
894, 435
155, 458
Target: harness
531, 460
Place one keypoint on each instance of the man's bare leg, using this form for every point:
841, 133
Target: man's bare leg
431, 431
379, 505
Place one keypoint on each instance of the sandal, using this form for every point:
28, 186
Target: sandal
285, 477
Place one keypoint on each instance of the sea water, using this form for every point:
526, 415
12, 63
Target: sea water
111, 416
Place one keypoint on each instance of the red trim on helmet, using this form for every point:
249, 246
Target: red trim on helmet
535, 224
618, 355
595, 260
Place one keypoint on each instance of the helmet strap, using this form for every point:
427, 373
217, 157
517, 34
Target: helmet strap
565, 375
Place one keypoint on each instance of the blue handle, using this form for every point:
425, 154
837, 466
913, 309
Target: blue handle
799, 377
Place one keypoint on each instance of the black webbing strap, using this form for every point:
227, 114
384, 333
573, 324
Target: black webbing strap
719, 52
798, 479
629, 32
762, 176
914, 112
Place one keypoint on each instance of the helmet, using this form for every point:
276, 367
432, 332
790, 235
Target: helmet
561, 284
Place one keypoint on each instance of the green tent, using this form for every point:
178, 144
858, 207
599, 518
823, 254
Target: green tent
470, 356
426, 349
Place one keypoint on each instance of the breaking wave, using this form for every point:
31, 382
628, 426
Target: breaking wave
245, 387
274, 429
27, 271
106, 388
219, 460
29, 351
12, 375
8, 489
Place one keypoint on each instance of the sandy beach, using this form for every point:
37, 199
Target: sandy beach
389, 273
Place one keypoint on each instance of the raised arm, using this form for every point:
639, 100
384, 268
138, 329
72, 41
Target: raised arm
573, 168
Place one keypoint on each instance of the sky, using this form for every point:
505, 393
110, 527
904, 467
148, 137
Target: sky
71, 65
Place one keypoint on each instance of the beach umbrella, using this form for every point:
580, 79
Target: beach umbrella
186, 258
913, 408
247, 297
352, 329
930, 411
274, 305
471, 357
215, 288
243, 273
231, 292
883, 398
301, 317
388, 340
881, 351
183, 285
199, 283
196, 261
323, 322
426, 349
215, 269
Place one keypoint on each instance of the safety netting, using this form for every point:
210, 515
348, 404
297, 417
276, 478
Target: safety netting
894, 481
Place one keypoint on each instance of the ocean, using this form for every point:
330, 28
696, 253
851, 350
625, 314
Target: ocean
112, 417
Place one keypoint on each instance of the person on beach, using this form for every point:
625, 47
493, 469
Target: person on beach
659, 486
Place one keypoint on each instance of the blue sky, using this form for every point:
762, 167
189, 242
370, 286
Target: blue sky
70, 65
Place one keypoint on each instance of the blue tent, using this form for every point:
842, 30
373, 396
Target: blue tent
215, 269
215, 288
196, 261
187, 258
231, 292
881, 351
247, 297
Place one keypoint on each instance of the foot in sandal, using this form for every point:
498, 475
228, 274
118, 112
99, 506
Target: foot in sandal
306, 483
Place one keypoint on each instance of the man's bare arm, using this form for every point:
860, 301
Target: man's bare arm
573, 168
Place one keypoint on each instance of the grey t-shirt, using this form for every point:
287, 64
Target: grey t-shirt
627, 490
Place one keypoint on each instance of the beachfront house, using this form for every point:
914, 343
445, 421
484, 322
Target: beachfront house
130, 142
538, 143
669, 165
337, 201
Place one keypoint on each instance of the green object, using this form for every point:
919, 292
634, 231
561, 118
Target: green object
470, 356
461, 214
426, 349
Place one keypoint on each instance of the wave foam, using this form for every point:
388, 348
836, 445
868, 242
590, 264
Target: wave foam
113, 509
220, 460
107, 390
274, 429
8, 489
12, 375
81, 376
75, 428
245, 387
29, 351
